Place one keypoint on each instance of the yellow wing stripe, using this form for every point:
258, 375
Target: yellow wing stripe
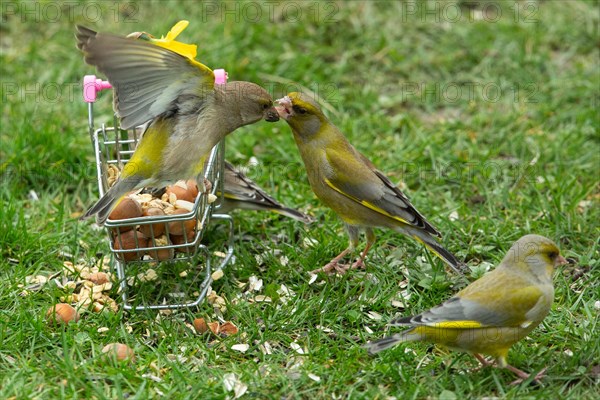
457, 324
366, 204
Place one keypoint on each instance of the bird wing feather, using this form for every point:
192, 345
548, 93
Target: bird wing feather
147, 78
239, 187
488, 302
354, 176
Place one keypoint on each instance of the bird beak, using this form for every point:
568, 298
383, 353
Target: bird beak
141, 35
272, 115
560, 260
284, 107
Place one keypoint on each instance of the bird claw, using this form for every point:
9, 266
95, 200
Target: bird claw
483, 363
332, 268
523, 376
335, 267
207, 186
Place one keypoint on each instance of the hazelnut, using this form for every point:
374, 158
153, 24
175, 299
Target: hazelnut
192, 186
207, 186
149, 229
62, 313
200, 325
214, 327
127, 208
99, 278
179, 240
183, 191
119, 351
178, 227
130, 240
228, 329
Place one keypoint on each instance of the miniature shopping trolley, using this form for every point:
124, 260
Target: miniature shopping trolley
160, 252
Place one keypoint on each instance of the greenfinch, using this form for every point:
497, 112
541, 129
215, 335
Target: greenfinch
240, 192
161, 82
348, 183
494, 312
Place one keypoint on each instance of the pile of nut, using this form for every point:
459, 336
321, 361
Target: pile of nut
178, 199
91, 287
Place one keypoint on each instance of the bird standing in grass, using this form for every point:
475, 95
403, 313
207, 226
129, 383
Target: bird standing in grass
349, 184
240, 192
160, 81
494, 312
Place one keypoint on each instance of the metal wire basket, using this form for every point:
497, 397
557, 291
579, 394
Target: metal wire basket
131, 252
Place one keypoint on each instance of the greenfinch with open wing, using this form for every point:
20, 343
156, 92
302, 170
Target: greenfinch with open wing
161, 82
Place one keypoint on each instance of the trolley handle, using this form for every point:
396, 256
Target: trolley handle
93, 85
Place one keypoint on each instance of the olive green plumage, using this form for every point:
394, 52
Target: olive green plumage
494, 312
348, 183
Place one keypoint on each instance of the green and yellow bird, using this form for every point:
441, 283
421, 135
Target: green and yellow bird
348, 183
492, 313
161, 82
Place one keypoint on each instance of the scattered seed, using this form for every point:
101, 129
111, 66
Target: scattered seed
240, 347
218, 274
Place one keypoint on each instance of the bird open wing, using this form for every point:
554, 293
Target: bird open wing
147, 78
354, 176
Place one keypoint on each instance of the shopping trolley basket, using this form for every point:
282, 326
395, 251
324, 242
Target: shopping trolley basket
170, 242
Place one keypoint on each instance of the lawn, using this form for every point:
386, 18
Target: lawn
485, 113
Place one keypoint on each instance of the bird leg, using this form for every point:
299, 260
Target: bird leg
360, 263
523, 376
484, 363
334, 266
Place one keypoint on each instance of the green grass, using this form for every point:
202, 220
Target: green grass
524, 161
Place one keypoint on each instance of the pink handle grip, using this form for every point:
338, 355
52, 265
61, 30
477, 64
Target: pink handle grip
91, 87
220, 76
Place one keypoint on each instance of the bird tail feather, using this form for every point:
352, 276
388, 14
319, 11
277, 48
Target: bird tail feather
294, 214
428, 241
233, 201
389, 341
109, 201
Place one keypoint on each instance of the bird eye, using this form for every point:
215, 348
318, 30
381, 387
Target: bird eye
553, 255
300, 110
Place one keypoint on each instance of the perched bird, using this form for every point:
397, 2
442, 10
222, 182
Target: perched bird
161, 82
349, 184
240, 192
494, 312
